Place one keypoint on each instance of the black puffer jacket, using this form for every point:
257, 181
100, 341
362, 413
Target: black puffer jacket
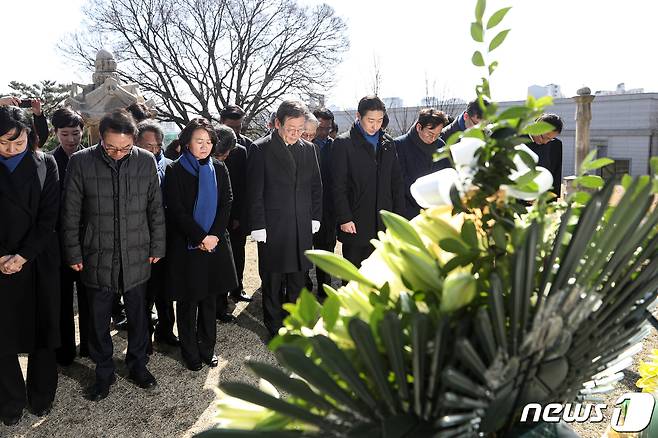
103, 239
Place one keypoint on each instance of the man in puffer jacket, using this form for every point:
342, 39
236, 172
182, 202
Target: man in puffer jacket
113, 230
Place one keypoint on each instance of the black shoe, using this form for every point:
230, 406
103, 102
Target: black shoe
225, 318
43, 411
144, 379
168, 339
241, 296
193, 366
212, 362
12, 420
100, 389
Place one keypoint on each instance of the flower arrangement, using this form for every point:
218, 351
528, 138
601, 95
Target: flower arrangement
471, 310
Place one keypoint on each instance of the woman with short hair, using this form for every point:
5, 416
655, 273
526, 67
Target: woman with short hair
29, 269
198, 198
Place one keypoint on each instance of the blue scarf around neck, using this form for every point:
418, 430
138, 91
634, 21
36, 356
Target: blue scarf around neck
12, 162
205, 206
372, 139
462, 122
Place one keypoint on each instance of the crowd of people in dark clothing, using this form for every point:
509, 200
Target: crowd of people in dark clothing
128, 225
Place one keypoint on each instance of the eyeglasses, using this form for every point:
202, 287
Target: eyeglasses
118, 150
293, 131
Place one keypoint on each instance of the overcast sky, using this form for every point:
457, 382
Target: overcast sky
597, 43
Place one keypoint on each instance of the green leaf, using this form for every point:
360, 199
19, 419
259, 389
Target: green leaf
474, 133
477, 33
588, 159
497, 17
469, 234
597, 164
498, 40
626, 181
479, 10
527, 159
335, 265
402, 229
581, 197
477, 59
544, 101
454, 246
538, 128
256, 396
330, 311
500, 237
527, 178
308, 308
653, 164
390, 332
514, 112
492, 67
590, 181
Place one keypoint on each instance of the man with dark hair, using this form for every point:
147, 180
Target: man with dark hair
416, 151
549, 149
469, 118
150, 137
325, 238
334, 131
285, 209
139, 111
232, 116
68, 126
366, 178
113, 230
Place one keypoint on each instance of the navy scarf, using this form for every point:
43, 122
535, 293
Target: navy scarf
372, 139
12, 162
461, 122
205, 205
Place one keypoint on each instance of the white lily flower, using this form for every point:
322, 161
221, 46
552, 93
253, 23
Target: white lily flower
433, 190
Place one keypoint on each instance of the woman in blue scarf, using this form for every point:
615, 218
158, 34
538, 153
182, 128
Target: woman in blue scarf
197, 193
29, 269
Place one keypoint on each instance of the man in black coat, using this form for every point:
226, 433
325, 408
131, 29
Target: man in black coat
285, 209
549, 149
416, 151
469, 118
325, 238
113, 230
68, 126
366, 178
236, 163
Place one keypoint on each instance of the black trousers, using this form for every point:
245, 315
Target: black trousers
197, 328
357, 253
155, 294
101, 348
238, 241
275, 294
41, 382
66, 352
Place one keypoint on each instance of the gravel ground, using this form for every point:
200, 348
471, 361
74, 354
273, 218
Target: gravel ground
183, 403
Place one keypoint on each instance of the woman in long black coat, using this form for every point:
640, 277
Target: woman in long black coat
29, 269
198, 198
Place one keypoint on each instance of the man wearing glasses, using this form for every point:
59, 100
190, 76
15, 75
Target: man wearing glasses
284, 207
469, 118
549, 149
150, 137
112, 231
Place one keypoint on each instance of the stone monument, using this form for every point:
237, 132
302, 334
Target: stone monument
104, 95
583, 100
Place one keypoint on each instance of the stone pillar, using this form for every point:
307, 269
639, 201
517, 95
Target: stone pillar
583, 118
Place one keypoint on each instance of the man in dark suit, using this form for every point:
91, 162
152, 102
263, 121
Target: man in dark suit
284, 209
469, 118
236, 162
549, 149
366, 179
416, 151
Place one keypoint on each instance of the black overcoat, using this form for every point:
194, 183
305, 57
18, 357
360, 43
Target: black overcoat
284, 197
29, 299
364, 183
192, 275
